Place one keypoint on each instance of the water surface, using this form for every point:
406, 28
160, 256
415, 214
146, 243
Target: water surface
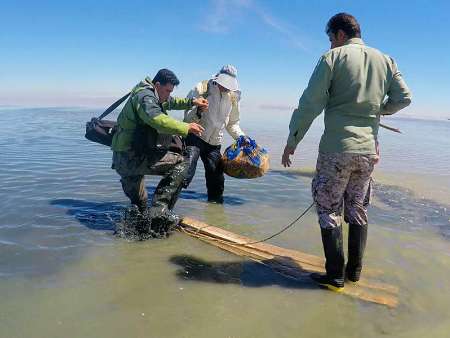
63, 273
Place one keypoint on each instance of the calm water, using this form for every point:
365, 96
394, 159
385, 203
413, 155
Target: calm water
63, 274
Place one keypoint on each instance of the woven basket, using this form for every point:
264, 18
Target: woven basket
245, 160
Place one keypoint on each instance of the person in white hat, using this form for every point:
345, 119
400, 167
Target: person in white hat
223, 95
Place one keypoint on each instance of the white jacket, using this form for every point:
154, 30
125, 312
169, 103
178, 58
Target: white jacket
223, 113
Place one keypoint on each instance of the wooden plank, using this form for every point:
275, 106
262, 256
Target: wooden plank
300, 257
291, 263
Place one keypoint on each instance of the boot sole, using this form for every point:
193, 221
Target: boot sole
352, 281
332, 287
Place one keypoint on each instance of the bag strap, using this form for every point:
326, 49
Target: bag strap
114, 106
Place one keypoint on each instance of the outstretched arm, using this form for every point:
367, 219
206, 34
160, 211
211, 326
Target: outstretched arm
311, 104
233, 127
151, 113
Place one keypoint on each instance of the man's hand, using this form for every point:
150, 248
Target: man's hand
202, 109
201, 103
285, 160
196, 129
377, 147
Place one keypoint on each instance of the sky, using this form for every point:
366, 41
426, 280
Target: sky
89, 53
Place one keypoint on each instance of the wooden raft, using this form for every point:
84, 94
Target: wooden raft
290, 263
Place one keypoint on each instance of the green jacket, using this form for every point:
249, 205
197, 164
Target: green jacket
143, 108
350, 83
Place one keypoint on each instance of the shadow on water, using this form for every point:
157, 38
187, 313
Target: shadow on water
245, 273
105, 216
94, 215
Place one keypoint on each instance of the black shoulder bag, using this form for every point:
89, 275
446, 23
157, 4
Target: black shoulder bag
102, 131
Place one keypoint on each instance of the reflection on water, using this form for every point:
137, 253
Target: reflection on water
64, 274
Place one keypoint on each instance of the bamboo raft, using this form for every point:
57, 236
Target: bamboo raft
290, 263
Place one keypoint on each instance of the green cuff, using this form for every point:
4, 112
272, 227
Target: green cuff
292, 142
184, 129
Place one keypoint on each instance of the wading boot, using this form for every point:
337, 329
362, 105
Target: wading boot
334, 260
163, 225
142, 206
191, 155
215, 199
165, 197
357, 238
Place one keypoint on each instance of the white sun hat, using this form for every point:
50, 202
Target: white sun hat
226, 77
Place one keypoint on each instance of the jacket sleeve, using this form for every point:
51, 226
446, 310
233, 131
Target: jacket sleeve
399, 95
232, 126
177, 103
190, 115
311, 103
150, 112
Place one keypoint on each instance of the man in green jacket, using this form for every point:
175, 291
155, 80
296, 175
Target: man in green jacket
350, 82
144, 144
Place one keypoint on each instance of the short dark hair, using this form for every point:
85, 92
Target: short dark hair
346, 22
165, 76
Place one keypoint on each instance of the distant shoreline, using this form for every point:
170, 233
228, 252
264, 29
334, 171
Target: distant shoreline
100, 108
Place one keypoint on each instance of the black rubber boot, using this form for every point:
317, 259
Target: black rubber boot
165, 197
192, 155
215, 179
215, 199
162, 224
334, 264
169, 188
142, 206
357, 238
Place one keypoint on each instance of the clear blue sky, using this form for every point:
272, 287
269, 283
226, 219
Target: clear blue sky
89, 52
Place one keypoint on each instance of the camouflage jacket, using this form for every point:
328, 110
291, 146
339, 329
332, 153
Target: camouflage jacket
143, 109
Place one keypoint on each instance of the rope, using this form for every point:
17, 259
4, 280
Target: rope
284, 229
197, 233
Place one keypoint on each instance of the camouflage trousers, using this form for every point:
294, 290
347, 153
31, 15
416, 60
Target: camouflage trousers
132, 168
342, 183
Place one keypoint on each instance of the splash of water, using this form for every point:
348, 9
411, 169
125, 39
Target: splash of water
137, 226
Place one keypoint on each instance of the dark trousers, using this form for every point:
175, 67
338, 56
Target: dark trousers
211, 157
132, 168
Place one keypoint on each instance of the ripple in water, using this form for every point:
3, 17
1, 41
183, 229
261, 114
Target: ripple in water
413, 212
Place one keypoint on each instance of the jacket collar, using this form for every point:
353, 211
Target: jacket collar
355, 41
146, 83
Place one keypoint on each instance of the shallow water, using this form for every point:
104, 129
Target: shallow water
63, 273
